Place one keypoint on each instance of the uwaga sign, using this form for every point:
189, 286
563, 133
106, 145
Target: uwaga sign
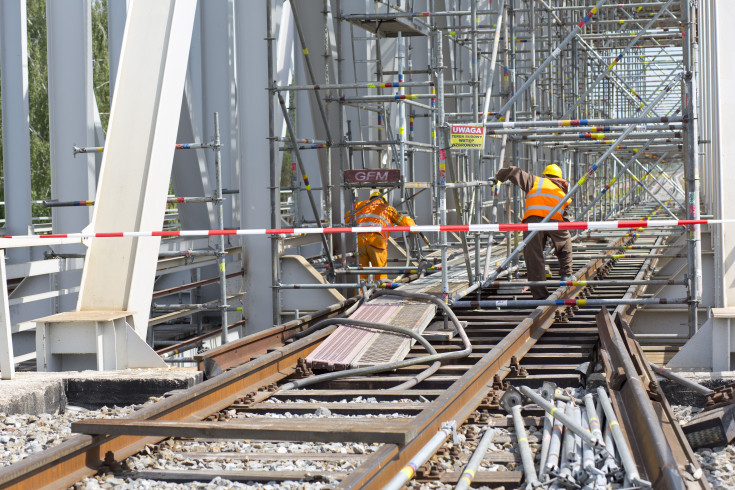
467, 137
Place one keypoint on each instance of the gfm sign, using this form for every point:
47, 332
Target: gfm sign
366, 176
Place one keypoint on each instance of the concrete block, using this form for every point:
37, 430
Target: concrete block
31, 394
36, 393
126, 388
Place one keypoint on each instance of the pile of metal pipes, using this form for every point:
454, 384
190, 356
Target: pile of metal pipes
575, 453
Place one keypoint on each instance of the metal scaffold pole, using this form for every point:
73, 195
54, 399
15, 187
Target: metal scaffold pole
221, 252
443, 146
275, 197
691, 159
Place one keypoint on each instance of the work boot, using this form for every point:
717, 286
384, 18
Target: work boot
567, 277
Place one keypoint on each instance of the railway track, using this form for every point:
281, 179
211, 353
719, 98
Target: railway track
356, 433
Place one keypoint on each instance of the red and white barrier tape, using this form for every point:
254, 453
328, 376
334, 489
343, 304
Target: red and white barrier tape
550, 226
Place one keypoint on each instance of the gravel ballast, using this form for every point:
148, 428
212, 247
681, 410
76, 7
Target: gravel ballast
23, 435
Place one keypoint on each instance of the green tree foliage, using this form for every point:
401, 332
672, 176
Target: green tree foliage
38, 92
101, 60
38, 104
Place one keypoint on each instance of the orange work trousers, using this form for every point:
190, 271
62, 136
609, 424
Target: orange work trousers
372, 251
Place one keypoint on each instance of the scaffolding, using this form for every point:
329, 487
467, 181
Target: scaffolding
604, 90
374, 98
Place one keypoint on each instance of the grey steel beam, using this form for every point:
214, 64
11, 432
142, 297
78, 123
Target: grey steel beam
254, 110
117, 14
218, 89
71, 120
16, 154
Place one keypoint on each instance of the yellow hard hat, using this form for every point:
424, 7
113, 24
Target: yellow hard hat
375, 193
553, 171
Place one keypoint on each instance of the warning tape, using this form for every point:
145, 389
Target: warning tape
482, 228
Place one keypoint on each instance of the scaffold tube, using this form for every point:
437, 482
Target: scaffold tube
179, 146
626, 458
601, 282
561, 123
421, 457
666, 373
521, 303
477, 456
564, 418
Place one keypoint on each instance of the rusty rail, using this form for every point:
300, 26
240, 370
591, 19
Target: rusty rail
465, 394
81, 455
224, 357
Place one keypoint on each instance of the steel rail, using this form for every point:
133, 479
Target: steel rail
465, 394
224, 357
655, 448
82, 455
656, 440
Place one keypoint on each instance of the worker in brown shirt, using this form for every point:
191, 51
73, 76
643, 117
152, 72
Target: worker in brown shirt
542, 195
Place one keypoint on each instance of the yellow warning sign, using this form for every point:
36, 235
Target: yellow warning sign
467, 136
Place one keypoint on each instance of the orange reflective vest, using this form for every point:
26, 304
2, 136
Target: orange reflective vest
378, 213
543, 197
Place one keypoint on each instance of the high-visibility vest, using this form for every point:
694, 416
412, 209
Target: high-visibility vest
378, 213
543, 197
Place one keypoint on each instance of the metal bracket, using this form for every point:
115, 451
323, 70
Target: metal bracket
451, 426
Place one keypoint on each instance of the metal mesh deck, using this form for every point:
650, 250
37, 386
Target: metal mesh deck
350, 347
346, 342
386, 347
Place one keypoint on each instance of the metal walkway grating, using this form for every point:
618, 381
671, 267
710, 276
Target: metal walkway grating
387, 347
350, 346
346, 342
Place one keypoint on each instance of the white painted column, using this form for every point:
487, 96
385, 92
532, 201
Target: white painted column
284, 55
7, 363
15, 133
307, 127
721, 154
71, 122
191, 176
723, 150
253, 157
119, 273
311, 17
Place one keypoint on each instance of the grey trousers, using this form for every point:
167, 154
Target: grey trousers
533, 254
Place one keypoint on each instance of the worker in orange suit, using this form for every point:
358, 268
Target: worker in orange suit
372, 248
542, 195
